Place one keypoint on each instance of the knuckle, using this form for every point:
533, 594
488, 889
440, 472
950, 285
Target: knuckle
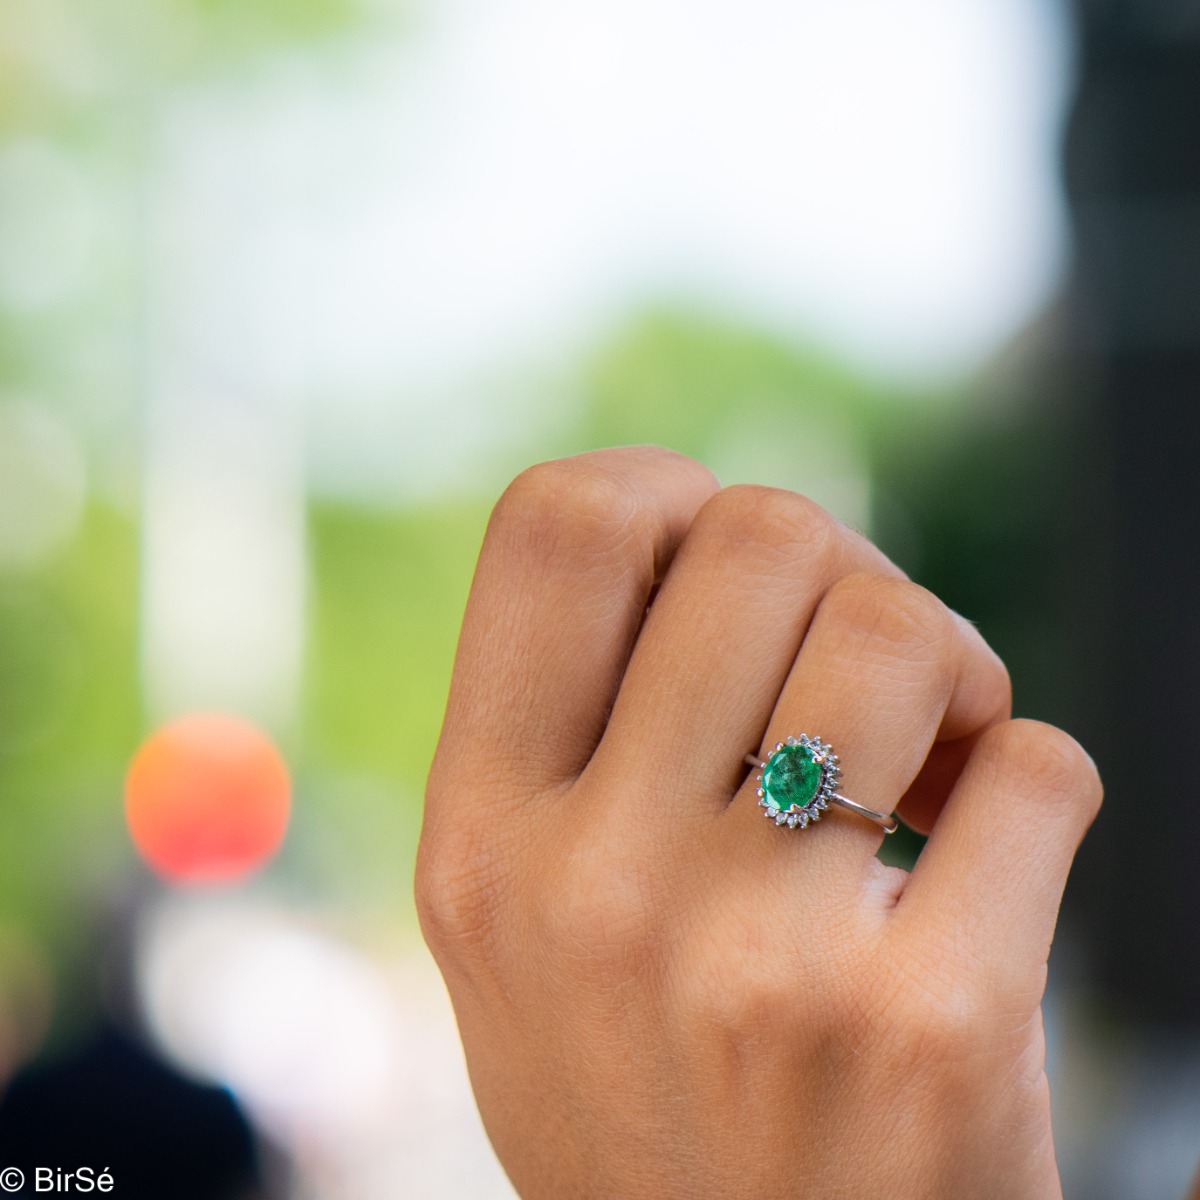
735, 979
894, 614
1050, 760
570, 503
746, 1003
757, 1009
456, 892
598, 912
769, 519
931, 1028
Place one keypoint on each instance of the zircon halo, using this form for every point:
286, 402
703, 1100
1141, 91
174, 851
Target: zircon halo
796, 781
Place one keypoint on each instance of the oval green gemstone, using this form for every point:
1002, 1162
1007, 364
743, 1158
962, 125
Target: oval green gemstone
791, 777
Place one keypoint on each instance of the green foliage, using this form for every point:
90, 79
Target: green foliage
388, 595
59, 58
689, 380
259, 24
388, 591
990, 498
69, 717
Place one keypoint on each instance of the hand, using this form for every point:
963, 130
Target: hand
660, 993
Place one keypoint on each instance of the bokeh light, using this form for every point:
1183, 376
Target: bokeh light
207, 799
43, 484
289, 289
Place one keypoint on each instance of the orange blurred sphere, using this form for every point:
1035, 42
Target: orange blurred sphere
207, 799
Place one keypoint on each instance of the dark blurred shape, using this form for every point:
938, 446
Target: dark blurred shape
1133, 176
110, 1105
1061, 510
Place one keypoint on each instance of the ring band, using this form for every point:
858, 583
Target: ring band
797, 782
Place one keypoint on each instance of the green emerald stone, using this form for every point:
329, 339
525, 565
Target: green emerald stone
791, 777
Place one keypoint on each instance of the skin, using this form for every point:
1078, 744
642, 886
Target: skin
660, 993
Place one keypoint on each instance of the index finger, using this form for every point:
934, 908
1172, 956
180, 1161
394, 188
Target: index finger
572, 551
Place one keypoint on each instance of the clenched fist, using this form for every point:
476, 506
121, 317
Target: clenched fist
663, 995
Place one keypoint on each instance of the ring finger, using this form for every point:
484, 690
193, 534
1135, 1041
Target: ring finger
716, 648
885, 672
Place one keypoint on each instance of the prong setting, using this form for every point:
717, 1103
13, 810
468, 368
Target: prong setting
800, 815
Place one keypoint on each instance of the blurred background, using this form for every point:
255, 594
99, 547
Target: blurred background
289, 289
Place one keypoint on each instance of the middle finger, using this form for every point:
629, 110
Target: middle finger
717, 646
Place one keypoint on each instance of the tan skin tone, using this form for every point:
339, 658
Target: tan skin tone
661, 994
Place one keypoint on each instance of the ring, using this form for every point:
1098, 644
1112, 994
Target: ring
798, 781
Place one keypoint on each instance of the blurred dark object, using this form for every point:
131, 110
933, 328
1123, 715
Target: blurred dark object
1061, 508
110, 1105
1133, 177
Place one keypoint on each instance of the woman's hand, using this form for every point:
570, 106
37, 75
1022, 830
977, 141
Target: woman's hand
660, 993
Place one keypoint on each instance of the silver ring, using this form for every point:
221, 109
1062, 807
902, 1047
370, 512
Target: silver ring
798, 781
